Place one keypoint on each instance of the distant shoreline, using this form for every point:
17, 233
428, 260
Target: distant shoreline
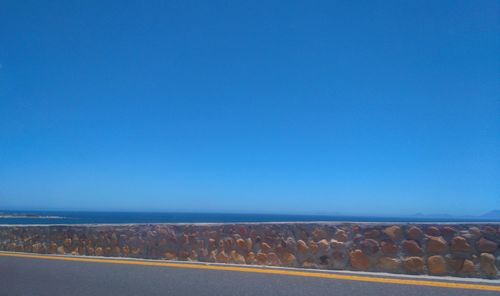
138, 218
332, 223
27, 216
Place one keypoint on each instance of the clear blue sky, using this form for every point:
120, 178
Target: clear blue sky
354, 107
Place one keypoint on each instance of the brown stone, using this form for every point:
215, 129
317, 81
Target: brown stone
249, 244
415, 233
302, 247
107, 251
475, 259
61, 250
279, 249
359, 260
136, 252
434, 231
90, 251
185, 239
486, 246
289, 259
241, 243
125, 250
309, 264
273, 259
355, 228
393, 232
323, 244
222, 257
237, 258
467, 267
436, 265
99, 251
389, 248
412, 248
313, 247
341, 236
213, 256
489, 232
389, 264
436, 244
475, 232
369, 246
265, 247
460, 244
291, 244
228, 243
212, 243
53, 248
414, 264
261, 258
448, 231
170, 256
487, 264
372, 233
319, 234
193, 256
37, 248
242, 230
250, 259
75, 252
336, 245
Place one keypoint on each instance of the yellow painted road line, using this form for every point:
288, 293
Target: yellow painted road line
358, 278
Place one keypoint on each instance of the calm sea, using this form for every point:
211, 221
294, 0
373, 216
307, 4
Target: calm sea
137, 217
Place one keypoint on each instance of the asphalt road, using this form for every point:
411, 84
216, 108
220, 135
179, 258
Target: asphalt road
33, 276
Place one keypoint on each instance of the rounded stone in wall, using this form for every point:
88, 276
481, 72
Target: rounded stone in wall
460, 244
250, 258
474, 232
432, 230
448, 231
468, 268
372, 233
302, 247
389, 264
369, 246
436, 265
412, 248
415, 233
436, 244
359, 260
414, 265
489, 232
389, 248
393, 232
486, 246
289, 259
487, 264
341, 235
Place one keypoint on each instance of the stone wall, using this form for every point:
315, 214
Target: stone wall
454, 249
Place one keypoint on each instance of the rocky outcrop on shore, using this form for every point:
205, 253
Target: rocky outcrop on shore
456, 250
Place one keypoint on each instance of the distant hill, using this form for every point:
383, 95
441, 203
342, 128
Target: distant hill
491, 215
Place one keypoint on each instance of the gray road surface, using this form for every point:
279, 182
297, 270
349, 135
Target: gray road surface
28, 276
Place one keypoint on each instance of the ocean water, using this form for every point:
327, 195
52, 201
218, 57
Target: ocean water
144, 218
